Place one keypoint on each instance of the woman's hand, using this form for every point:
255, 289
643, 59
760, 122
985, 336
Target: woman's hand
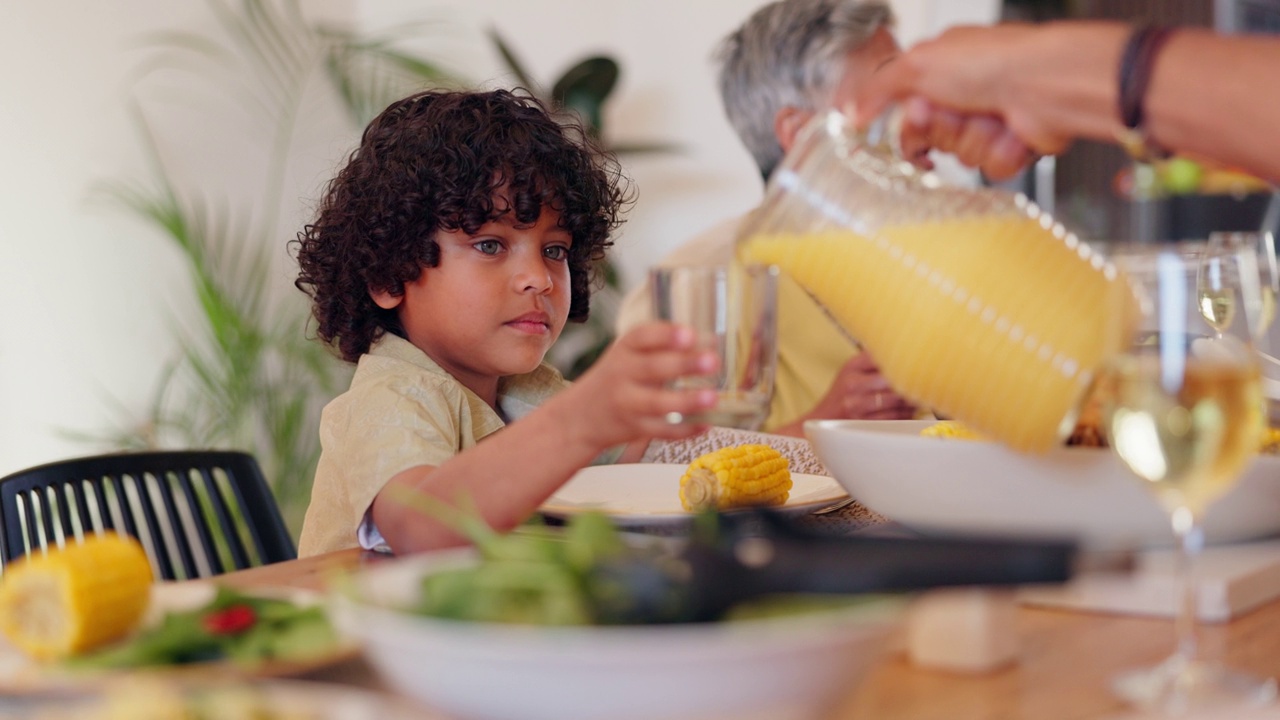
858, 392
976, 92
980, 141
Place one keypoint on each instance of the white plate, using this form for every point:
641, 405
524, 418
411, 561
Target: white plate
19, 675
649, 493
154, 697
956, 485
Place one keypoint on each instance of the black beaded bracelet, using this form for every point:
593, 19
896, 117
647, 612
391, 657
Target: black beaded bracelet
1136, 65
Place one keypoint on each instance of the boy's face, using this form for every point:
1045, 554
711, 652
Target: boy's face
494, 304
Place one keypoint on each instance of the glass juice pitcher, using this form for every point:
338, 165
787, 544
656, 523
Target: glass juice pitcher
972, 301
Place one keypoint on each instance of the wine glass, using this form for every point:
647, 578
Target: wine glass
1218, 286
1183, 406
1249, 260
1250, 256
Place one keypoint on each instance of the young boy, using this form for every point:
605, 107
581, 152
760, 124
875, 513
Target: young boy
446, 257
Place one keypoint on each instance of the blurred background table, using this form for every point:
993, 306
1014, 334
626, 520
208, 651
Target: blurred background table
1062, 673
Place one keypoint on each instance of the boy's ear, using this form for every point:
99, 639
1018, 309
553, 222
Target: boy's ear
385, 300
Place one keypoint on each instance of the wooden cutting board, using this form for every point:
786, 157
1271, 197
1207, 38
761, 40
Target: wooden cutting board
1232, 580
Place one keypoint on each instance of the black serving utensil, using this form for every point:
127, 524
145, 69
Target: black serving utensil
733, 558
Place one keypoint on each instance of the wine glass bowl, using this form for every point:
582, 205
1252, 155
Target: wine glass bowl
1250, 256
1182, 407
1246, 260
1217, 282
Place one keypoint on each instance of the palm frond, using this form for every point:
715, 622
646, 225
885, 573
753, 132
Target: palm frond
644, 148
370, 74
514, 64
276, 46
245, 374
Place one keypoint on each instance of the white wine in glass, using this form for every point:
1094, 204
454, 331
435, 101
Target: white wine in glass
1187, 437
1218, 307
1183, 411
1218, 283
1247, 260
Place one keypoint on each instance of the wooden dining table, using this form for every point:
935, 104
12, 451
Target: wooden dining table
1061, 671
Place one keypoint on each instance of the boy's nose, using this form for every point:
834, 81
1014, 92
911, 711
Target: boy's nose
535, 278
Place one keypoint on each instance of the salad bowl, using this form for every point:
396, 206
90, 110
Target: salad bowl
785, 667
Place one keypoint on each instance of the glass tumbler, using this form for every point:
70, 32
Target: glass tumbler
733, 311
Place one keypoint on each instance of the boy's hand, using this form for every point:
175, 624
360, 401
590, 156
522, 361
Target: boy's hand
624, 396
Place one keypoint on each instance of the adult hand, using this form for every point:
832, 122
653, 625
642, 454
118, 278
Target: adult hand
956, 94
860, 392
980, 141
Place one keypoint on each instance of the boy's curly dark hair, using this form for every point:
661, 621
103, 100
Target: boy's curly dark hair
433, 161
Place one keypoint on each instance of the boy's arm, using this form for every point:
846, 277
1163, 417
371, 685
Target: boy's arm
506, 477
509, 474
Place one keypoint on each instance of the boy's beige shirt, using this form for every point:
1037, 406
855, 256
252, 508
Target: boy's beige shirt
402, 410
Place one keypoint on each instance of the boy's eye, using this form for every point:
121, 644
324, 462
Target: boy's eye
488, 247
556, 252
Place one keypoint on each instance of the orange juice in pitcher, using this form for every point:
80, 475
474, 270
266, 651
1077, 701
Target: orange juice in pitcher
973, 302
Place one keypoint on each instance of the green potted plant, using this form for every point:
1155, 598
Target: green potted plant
247, 376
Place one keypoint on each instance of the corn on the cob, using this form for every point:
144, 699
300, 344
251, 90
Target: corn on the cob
951, 429
77, 598
1270, 441
738, 476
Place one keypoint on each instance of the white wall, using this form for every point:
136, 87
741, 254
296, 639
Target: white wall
666, 93
90, 295
84, 294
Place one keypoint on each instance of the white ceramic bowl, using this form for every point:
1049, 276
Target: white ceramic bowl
939, 484
787, 667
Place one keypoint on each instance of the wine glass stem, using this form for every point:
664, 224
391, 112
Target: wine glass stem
1190, 534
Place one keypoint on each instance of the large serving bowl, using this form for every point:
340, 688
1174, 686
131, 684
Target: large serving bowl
782, 667
952, 485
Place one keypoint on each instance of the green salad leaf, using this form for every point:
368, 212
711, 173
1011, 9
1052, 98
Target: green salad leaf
242, 628
589, 573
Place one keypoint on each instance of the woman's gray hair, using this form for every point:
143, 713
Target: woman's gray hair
789, 53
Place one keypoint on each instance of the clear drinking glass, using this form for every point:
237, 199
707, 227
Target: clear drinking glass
1252, 256
1182, 405
732, 310
1247, 259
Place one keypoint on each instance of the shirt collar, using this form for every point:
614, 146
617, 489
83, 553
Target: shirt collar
517, 394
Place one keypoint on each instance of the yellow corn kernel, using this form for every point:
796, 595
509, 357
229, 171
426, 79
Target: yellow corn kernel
77, 598
951, 429
738, 476
1270, 441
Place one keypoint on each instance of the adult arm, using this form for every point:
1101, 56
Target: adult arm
1048, 84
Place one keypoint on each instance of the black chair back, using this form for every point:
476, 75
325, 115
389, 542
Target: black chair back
197, 513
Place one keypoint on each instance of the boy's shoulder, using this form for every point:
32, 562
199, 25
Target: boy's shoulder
394, 365
393, 361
